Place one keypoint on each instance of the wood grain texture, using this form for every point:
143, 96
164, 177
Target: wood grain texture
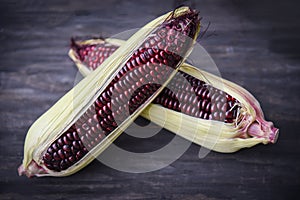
253, 43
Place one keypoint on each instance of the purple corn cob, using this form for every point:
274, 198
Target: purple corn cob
145, 65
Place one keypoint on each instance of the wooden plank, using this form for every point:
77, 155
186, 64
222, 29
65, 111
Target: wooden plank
253, 43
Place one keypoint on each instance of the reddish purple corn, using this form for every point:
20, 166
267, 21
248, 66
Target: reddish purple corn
194, 97
186, 94
134, 82
93, 55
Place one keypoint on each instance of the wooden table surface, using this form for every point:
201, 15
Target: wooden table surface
253, 43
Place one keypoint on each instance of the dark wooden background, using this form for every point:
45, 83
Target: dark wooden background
254, 43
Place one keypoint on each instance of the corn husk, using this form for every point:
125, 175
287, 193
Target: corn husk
69, 108
214, 135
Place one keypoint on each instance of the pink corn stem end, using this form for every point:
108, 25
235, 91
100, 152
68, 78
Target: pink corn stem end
33, 169
263, 129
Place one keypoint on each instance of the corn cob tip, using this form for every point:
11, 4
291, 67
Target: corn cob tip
33, 169
73, 43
